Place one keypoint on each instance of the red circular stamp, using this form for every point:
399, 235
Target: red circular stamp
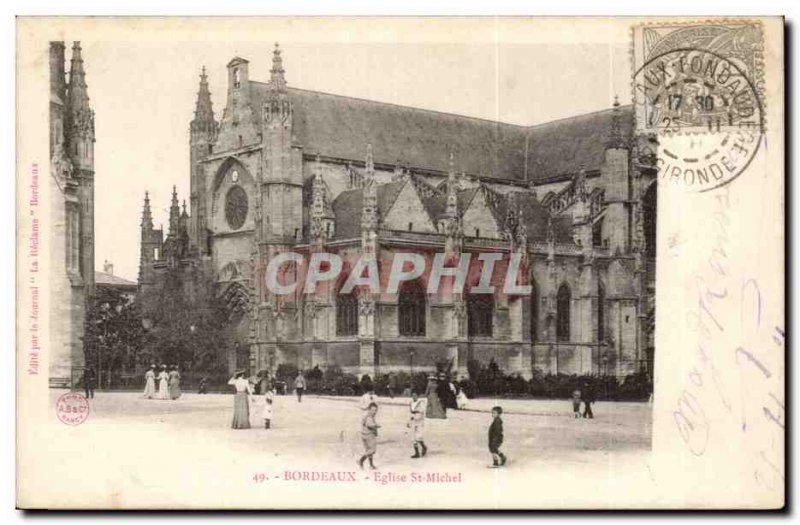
72, 408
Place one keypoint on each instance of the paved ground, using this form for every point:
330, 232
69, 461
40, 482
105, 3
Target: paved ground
534, 429
183, 442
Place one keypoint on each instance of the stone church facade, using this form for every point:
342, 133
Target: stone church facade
292, 170
71, 212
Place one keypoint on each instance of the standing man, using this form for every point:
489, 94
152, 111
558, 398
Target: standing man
417, 407
89, 382
299, 386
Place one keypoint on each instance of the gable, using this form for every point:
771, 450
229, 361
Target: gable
408, 209
479, 216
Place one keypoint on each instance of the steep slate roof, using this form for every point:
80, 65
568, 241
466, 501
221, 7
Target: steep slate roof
347, 208
564, 147
341, 127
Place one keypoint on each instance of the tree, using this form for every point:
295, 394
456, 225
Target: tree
183, 332
113, 336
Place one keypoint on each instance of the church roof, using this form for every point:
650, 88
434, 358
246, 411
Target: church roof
347, 209
110, 280
339, 126
557, 150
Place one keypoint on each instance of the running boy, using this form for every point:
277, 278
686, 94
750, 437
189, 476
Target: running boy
496, 438
417, 424
369, 435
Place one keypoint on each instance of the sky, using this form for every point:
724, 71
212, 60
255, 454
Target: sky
143, 85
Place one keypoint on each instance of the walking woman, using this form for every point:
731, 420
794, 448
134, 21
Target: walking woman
163, 383
241, 409
174, 383
150, 383
435, 407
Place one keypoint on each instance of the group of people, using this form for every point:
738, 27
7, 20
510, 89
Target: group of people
419, 409
441, 394
169, 383
244, 397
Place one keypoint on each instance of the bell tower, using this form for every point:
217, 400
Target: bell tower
282, 164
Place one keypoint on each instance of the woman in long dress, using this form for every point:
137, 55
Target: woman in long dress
241, 409
150, 383
163, 383
174, 383
435, 407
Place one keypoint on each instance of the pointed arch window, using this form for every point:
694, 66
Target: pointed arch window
411, 309
534, 312
601, 313
346, 314
563, 304
480, 314
597, 234
649, 220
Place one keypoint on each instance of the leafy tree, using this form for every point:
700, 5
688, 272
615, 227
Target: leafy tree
113, 336
183, 332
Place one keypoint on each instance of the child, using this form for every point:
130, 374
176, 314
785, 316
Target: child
417, 424
576, 403
268, 398
368, 399
496, 438
369, 436
588, 398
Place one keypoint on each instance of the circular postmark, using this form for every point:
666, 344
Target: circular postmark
706, 113
72, 408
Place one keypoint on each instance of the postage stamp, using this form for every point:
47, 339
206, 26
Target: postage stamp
699, 87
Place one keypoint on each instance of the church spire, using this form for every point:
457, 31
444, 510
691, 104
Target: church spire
203, 111
78, 92
174, 213
277, 79
79, 125
615, 134
369, 206
147, 215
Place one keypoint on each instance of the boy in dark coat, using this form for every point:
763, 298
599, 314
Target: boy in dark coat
496, 438
588, 399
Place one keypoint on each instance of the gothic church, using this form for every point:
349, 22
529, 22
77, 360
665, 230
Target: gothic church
289, 169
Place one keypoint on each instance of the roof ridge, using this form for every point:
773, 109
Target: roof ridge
445, 113
580, 115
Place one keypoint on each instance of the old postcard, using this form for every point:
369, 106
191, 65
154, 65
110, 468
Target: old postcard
400, 263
